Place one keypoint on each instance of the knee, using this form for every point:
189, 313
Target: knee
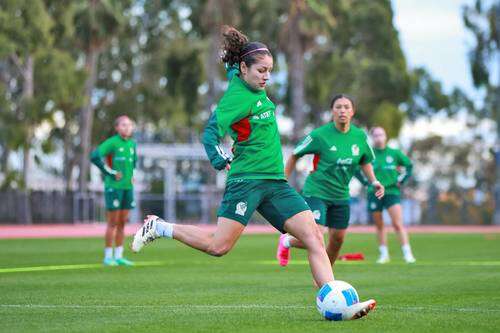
337, 239
314, 240
398, 227
218, 251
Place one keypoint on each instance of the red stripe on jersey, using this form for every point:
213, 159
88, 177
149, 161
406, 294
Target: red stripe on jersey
109, 161
243, 129
315, 162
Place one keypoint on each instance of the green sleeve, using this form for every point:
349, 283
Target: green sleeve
368, 154
310, 144
232, 107
211, 139
404, 161
361, 177
135, 155
96, 156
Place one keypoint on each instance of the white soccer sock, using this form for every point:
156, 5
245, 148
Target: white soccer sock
118, 252
407, 250
165, 229
384, 251
286, 241
108, 253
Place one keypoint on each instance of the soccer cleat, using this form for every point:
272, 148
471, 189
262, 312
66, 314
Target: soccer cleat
410, 259
124, 262
109, 262
146, 234
383, 260
361, 309
283, 253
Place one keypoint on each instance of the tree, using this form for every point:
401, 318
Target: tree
483, 22
24, 32
97, 21
306, 21
360, 56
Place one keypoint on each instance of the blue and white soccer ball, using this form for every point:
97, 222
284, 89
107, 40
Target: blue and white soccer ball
334, 300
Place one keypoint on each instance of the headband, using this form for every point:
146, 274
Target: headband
255, 50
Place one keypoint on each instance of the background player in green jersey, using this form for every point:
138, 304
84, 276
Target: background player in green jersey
339, 149
392, 168
120, 158
256, 179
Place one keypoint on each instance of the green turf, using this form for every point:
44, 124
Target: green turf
454, 287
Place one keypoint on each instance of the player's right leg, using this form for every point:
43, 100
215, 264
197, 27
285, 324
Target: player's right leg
217, 244
375, 208
240, 200
112, 217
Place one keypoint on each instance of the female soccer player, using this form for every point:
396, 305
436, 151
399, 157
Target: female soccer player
256, 179
339, 148
118, 169
387, 165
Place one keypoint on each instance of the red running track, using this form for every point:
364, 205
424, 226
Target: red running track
97, 230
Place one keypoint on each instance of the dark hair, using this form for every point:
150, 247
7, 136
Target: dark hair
339, 96
236, 48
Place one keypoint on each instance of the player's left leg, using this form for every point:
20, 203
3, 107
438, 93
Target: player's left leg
286, 241
335, 240
396, 213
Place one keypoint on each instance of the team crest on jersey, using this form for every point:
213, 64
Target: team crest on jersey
241, 208
120, 149
333, 148
389, 159
355, 150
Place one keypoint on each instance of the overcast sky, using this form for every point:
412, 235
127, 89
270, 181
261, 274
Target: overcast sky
432, 35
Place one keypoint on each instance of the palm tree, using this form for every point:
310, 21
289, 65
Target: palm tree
97, 22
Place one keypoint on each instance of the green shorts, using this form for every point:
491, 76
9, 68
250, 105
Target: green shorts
275, 200
119, 199
378, 205
329, 214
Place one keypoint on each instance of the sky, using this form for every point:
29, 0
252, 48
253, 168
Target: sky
432, 35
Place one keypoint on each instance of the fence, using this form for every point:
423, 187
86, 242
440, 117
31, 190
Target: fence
196, 207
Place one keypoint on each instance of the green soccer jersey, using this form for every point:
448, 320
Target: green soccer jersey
248, 116
337, 156
120, 156
387, 167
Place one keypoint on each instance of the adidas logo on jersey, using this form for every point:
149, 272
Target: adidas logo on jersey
259, 104
333, 148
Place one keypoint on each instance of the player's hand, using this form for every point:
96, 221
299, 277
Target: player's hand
118, 176
379, 189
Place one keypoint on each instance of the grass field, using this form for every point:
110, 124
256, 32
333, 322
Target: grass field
454, 287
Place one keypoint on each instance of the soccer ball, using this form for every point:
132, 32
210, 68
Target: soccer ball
334, 300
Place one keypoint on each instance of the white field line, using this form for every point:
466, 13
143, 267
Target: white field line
400, 308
